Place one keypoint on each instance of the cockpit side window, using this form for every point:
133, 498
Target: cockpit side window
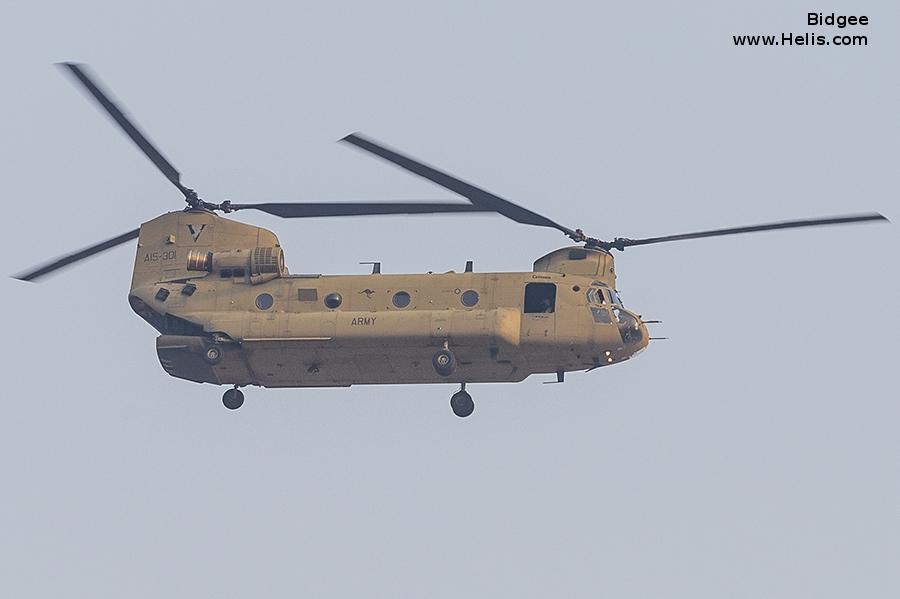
601, 315
540, 298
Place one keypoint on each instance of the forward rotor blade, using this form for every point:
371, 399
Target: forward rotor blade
622, 242
130, 129
312, 210
76, 256
479, 197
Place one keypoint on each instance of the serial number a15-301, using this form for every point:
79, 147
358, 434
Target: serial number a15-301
157, 256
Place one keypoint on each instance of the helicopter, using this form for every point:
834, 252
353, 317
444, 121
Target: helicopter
228, 311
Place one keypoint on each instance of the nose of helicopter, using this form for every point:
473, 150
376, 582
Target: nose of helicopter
634, 333
631, 328
629, 338
645, 336
640, 338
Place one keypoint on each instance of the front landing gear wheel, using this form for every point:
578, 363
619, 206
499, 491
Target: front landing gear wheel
233, 399
461, 403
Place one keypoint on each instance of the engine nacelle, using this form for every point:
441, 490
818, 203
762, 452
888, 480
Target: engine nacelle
188, 244
260, 263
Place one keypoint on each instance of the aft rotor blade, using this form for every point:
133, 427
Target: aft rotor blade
621, 242
312, 210
76, 256
478, 197
127, 125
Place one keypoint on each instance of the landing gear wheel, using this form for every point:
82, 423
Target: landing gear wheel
233, 399
444, 362
461, 403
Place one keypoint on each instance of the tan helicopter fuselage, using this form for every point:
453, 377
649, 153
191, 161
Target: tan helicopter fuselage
206, 281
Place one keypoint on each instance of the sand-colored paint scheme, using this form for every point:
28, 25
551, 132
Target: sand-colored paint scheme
228, 311
226, 317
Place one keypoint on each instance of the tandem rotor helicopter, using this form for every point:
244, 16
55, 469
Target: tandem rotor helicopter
229, 313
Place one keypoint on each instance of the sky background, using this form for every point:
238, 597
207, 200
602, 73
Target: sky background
753, 454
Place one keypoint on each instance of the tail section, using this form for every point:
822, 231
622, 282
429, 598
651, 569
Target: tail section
178, 251
165, 242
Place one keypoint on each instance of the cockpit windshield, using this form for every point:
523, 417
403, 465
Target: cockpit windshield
614, 297
629, 326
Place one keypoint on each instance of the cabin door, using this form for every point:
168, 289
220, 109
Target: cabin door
539, 313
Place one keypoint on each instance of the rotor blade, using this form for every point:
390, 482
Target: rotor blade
312, 210
479, 197
622, 242
130, 129
76, 256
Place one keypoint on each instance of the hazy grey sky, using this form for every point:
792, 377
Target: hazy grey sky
754, 454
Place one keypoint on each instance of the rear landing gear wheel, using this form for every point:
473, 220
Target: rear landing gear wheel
461, 403
444, 362
233, 399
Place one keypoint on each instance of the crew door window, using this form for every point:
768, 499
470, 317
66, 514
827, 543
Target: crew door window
540, 298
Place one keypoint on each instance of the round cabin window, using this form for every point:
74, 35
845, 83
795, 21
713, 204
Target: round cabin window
264, 301
401, 299
469, 298
333, 300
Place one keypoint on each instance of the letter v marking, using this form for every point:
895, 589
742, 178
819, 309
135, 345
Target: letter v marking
195, 233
